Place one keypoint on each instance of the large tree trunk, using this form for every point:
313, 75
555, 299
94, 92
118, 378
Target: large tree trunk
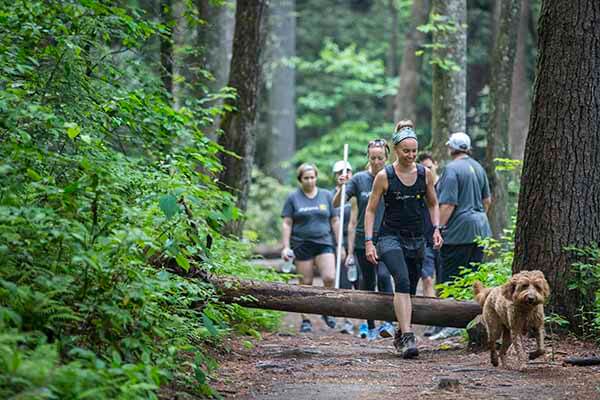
520, 104
344, 303
282, 106
166, 45
449, 87
405, 106
559, 201
391, 64
215, 40
500, 95
238, 125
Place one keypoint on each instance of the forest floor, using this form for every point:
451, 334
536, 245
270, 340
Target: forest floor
327, 364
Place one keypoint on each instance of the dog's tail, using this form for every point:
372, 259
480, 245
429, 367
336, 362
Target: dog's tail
481, 293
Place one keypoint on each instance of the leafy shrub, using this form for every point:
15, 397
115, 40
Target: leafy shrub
494, 272
586, 281
107, 198
263, 216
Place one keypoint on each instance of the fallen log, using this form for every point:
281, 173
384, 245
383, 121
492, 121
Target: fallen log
342, 303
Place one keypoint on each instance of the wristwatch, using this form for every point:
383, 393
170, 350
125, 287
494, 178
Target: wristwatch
440, 227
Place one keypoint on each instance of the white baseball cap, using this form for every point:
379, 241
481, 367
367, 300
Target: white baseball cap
340, 165
459, 141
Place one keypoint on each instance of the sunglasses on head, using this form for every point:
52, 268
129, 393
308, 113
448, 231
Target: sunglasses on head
379, 143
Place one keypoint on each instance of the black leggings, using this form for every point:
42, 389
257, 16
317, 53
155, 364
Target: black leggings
406, 271
371, 275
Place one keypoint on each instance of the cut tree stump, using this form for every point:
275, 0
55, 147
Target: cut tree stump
343, 303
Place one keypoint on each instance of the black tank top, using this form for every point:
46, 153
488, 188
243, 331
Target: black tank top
404, 204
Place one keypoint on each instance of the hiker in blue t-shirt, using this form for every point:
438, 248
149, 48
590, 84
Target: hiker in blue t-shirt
464, 196
358, 190
309, 225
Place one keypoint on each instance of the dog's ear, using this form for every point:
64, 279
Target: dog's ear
539, 278
508, 289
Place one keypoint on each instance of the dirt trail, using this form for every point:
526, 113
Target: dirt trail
327, 364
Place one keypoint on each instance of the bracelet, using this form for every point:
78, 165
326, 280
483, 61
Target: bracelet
368, 239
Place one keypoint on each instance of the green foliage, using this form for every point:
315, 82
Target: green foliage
343, 84
265, 203
106, 188
586, 281
328, 149
494, 272
440, 25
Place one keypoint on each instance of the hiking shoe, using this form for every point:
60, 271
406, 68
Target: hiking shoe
348, 328
306, 326
386, 330
432, 330
363, 331
373, 334
330, 321
446, 333
406, 344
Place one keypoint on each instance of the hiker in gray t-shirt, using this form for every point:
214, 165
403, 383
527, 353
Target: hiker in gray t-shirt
464, 197
358, 189
309, 223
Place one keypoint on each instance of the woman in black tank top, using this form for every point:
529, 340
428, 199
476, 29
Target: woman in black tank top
406, 189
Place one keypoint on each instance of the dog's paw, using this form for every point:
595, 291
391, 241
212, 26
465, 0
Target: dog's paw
535, 354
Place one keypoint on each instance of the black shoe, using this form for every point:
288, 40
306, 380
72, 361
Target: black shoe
406, 344
432, 330
330, 321
306, 326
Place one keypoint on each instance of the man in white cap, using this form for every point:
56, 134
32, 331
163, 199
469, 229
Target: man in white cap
464, 198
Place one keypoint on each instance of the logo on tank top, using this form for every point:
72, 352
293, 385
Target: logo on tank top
323, 207
400, 196
365, 194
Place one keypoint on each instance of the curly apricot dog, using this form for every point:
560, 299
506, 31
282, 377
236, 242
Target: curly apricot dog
511, 310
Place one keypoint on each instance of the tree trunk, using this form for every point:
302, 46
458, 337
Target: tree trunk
405, 106
282, 106
500, 95
559, 201
391, 65
166, 45
238, 125
215, 38
343, 303
520, 104
449, 88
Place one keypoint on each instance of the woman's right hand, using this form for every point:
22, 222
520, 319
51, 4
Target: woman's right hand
371, 253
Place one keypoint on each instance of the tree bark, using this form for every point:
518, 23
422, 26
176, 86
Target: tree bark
405, 104
391, 65
520, 104
500, 95
166, 45
559, 201
449, 87
238, 125
282, 106
343, 303
215, 39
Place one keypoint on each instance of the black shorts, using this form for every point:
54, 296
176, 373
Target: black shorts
308, 250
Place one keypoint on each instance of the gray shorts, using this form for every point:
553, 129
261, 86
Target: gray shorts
430, 263
413, 248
